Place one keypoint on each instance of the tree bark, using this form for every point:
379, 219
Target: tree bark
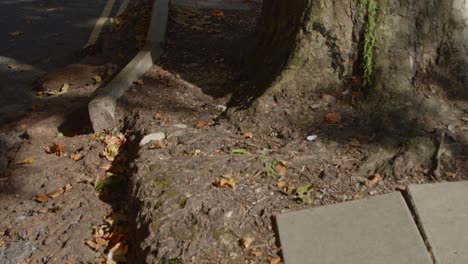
310, 46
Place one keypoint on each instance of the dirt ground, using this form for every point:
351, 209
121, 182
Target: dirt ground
208, 192
50, 207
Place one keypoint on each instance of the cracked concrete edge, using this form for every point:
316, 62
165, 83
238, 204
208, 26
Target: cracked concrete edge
102, 106
417, 219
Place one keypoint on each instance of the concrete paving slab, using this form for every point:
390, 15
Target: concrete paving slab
442, 209
378, 230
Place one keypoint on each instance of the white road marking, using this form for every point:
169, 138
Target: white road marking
100, 23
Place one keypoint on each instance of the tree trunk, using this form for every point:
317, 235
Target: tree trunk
305, 47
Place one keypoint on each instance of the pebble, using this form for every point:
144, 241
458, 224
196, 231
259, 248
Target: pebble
315, 106
181, 126
228, 214
311, 137
152, 137
221, 108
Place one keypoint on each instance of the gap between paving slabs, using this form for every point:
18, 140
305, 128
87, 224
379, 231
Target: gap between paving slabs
436, 211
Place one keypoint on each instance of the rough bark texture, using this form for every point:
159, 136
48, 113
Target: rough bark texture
309, 46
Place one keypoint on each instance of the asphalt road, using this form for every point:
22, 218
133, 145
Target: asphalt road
39, 35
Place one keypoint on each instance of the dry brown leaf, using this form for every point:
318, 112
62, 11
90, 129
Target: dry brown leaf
201, 124
26, 161
246, 242
333, 117
374, 180
97, 79
56, 193
34, 107
359, 196
276, 260
217, 13
92, 245
42, 198
105, 166
67, 187
75, 156
281, 168
55, 149
119, 252
257, 253
159, 144
281, 184
15, 67
112, 145
248, 135
225, 181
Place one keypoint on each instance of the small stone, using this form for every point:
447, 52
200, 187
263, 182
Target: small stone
228, 214
373, 192
181, 126
315, 106
152, 137
311, 137
221, 108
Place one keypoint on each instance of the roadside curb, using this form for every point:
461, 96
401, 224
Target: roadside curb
102, 106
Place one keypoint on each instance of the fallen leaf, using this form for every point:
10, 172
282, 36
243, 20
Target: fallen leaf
55, 149
281, 184
257, 253
75, 156
374, 180
42, 198
119, 251
34, 107
158, 144
276, 260
92, 245
201, 124
56, 193
225, 181
359, 196
246, 242
281, 168
15, 67
105, 166
333, 117
217, 13
240, 151
67, 187
113, 145
97, 79
15, 34
62, 90
248, 135
26, 161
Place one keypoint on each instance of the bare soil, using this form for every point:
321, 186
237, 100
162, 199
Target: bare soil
183, 215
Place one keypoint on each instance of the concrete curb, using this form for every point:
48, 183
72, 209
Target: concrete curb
102, 107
